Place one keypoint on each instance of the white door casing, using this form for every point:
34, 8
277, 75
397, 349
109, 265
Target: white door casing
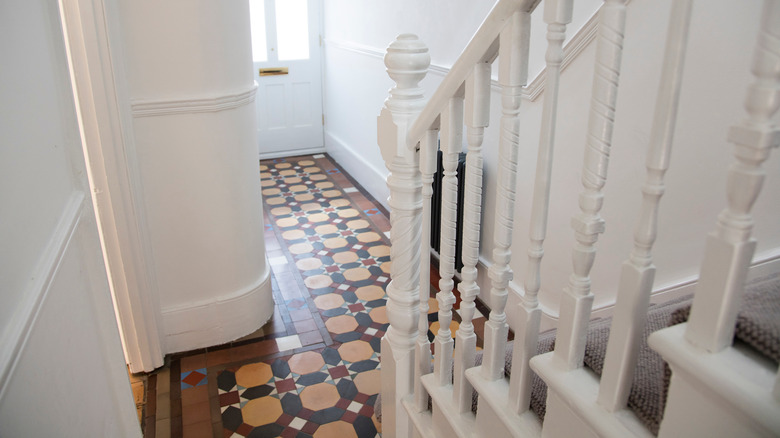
289, 103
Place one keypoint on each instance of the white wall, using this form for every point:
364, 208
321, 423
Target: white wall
189, 78
716, 74
58, 334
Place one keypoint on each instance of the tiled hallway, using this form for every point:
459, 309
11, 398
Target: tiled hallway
313, 370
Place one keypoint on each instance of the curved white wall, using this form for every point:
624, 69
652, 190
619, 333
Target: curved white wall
189, 76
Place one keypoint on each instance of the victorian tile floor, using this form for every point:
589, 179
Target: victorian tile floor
313, 369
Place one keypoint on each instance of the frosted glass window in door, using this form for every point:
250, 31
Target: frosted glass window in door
257, 20
292, 29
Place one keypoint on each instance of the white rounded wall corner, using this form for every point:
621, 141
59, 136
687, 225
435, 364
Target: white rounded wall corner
221, 319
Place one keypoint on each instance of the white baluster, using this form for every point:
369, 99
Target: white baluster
477, 119
407, 62
730, 247
557, 14
451, 145
638, 272
577, 299
512, 75
428, 148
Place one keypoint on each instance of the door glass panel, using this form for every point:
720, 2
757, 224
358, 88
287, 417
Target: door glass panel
292, 29
257, 20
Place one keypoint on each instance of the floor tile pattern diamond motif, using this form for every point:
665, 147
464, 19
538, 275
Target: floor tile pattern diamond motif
343, 260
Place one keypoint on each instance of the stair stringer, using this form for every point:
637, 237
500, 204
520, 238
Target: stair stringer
447, 422
495, 417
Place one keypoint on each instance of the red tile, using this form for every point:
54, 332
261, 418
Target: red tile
339, 371
305, 413
366, 411
349, 416
229, 398
285, 419
285, 385
244, 429
361, 398
343, 403
310, 427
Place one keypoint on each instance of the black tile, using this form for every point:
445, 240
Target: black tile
364, 365
280, 368
363, 319
330, 313
347, 337
376, 303
364, 426
347, 389
350, 296
266, 431
331, 356
232, 418
291, 403
338, 277
327, 415
226, 380
257, 392
376, 344
312, 378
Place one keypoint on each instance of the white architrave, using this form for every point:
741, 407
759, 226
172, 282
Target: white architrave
113, 173
407, 61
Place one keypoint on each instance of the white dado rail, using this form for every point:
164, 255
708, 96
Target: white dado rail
579, 403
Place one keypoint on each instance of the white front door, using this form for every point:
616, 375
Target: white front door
286, 51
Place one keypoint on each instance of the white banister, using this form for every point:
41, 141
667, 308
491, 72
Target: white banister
557, 14
407, 62
577, 298
428, 148
481, 48
477, 119
730, 247
451, 145
512, 75
638, 272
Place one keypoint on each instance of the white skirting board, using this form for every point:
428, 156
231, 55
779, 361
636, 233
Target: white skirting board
371, 178
219, 320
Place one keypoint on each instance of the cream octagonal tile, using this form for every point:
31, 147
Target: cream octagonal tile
341, 324
320, 396
328, 301
254, 374
355, 351
260, 411
305, 363
368, 382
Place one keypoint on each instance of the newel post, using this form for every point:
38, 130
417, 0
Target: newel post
407, 62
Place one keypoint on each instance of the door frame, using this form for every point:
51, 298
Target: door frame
321, 46
93, 45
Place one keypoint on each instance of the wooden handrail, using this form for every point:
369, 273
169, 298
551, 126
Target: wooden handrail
483, 47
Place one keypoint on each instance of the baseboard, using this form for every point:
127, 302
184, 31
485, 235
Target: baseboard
17, 331
372, 179
219, 320
285, 154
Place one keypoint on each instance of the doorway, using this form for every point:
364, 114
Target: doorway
286, 52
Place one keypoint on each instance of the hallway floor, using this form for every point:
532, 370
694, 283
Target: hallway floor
313, 369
